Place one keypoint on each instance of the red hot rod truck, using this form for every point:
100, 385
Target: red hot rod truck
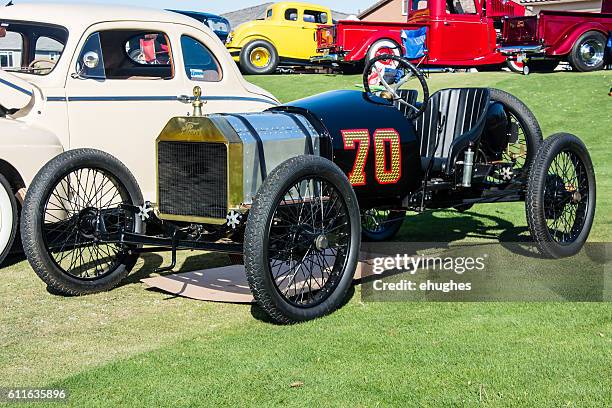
553, 36
460, 33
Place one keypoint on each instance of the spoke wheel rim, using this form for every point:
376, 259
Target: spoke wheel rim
518, 152
375, 221
73, 208
308, 242
566, 197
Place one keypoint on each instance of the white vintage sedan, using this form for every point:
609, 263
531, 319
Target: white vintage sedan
107, 77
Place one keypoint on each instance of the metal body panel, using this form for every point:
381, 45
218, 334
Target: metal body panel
282, 135
256, 144
339, 111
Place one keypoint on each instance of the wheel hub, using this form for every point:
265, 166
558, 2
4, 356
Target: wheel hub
88, 222
592, 53
260, 57
321, 242
556, 196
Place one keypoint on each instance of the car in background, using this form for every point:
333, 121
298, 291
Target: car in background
286, 36
545, 40
458, 33
104, 77
220, 25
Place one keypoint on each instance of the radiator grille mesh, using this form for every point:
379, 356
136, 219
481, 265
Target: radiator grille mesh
192, 179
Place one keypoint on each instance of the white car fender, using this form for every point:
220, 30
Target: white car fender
27, 147
15, 93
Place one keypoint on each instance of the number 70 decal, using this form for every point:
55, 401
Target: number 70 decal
384, 172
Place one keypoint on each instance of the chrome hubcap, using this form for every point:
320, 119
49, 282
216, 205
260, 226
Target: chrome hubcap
592, 52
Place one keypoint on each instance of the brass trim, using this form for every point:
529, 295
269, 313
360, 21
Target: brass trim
207, 129
189, 218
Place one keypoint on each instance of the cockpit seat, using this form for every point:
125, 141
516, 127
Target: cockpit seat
453, 118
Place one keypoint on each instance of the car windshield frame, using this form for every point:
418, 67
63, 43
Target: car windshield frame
37, 30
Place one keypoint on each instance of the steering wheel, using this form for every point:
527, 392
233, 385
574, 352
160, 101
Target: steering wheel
50, 63
393, 72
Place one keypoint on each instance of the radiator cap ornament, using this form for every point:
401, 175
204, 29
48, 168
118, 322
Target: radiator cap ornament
197, 101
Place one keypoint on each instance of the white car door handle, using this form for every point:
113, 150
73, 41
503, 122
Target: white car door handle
184, 99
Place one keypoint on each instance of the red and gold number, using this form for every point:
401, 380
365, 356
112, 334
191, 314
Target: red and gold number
357, 139
387, 173
387, 170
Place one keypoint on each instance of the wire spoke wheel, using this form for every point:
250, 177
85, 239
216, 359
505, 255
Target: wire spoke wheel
309, 240
302, 239
561, 196
516, 152
84, 202
566, 197
523, 139
381, 224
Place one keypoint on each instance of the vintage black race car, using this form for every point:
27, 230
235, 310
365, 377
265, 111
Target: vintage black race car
294, 188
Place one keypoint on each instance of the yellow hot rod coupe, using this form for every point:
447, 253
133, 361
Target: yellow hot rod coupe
286, 36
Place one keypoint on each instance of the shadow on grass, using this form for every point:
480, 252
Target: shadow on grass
428, 227
153, 261
258, 313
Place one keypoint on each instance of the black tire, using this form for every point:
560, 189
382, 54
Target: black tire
548, 198
39, 206
376, 228
543, 66
263, 246
246, 62
532, 133
583, 62
8, 226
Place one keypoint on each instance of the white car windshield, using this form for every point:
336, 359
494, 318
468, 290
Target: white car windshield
31, 48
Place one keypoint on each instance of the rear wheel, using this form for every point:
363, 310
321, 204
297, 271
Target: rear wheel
73, 198
381, 225
560, 201
8, 218
384, 47
525, 134
588, 53
302, 240
259, 57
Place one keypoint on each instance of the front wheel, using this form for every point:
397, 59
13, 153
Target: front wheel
302, 240
73, 201
560, 201
259, 57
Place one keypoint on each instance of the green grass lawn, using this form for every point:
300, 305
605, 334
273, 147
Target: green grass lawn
134, 347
